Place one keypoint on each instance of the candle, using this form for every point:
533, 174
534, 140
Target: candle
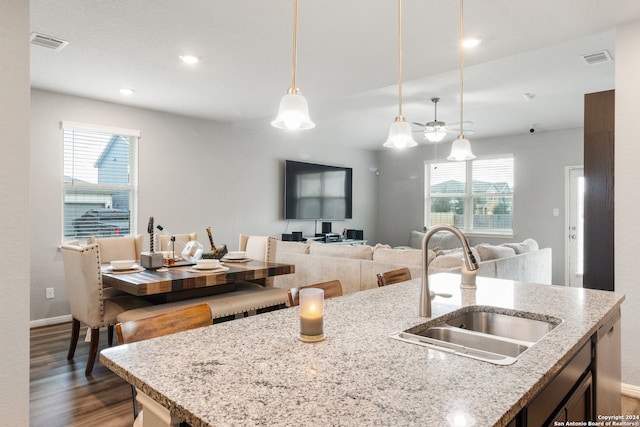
311, 314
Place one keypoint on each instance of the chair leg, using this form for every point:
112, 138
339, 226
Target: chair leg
110, 335
75, 332
93, 350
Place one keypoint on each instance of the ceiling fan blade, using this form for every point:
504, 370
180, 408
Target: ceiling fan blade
466, 123
419, 124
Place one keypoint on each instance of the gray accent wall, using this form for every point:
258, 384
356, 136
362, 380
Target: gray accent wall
193, 173
539, 160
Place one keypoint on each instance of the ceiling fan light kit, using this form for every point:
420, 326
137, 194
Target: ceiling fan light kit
400, 135
294, 110
461, 148
436, 130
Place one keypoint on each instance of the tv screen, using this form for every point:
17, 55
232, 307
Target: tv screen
313, 191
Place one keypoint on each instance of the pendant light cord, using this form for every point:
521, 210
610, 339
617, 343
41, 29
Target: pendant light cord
399, 58
294, 89
461, 65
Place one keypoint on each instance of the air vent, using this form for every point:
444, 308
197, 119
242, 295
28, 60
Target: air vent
48, 41
600, 57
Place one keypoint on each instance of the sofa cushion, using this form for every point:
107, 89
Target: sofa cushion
292, 247
488, 252
415, 239
533, 245
520, 248
451, 258
400, 256
341, 251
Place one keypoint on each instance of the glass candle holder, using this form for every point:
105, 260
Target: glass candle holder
311, 315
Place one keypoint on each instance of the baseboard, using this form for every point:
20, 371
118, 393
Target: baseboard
631, 390
50, 321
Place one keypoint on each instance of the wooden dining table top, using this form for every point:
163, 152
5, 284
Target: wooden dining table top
174, 279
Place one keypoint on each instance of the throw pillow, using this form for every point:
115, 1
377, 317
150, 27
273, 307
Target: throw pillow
450, 258
415, 239
488, 252
533, 245
520, 248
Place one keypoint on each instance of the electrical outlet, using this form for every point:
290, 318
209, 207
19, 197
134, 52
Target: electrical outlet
49, 293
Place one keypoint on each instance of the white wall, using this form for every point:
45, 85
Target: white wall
627, 203
192, 174
14, 211
539, 158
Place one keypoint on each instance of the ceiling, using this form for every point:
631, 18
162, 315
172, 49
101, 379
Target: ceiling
347, 60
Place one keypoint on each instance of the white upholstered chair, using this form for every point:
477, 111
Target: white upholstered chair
164, 241
116, 248
261, 248
91, 304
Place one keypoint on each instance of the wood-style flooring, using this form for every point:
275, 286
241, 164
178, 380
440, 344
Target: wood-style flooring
61, 395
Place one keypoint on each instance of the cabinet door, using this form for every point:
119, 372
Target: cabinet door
579, 405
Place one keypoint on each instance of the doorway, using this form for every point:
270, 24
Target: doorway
574, 252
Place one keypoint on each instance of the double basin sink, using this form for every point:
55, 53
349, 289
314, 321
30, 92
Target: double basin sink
490, 334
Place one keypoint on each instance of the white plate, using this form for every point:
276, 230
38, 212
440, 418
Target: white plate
224, 259
133, 267
205, 267
217, 269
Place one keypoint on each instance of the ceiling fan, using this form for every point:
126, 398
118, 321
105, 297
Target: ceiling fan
436, 130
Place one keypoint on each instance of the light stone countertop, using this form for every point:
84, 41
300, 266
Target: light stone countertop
255, 371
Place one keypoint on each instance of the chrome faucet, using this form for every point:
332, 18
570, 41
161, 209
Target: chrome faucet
469, 260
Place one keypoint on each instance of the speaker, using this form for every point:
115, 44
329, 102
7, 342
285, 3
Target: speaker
326, 227
287, 237
351, 234
359, 235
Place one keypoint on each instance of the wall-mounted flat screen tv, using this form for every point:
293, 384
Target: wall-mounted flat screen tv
313, 191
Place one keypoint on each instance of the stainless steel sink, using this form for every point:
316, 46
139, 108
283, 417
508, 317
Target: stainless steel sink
490, 334
503, 325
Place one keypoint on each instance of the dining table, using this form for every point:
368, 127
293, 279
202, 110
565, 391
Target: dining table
185, 281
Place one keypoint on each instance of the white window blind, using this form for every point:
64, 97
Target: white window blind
100, 181
475, 196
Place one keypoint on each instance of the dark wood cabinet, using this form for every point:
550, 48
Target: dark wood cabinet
599, 138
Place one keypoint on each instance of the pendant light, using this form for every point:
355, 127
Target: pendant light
461, 148
294, 110
400, 135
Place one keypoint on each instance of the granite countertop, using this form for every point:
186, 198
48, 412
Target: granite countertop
255, 370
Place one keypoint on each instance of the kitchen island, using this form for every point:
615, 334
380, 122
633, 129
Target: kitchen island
255, 371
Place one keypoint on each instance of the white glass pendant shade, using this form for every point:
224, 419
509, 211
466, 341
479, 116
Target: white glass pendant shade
293, 113
400, 135
461, 150
435, 133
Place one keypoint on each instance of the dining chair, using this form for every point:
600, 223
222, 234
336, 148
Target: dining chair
116, 248
262, 248
394, 276
180, 320
164, 241
90, 302
332, 289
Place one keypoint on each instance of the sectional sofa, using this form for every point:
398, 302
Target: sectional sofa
357, 266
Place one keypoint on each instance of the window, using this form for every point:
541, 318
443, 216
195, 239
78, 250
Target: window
100, 181
475, 196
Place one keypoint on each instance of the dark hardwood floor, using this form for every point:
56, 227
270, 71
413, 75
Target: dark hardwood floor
60, 393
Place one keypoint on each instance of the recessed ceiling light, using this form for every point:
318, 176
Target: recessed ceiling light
190, 59
127, 91
471, 42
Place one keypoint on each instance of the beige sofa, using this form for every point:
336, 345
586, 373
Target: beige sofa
357, 266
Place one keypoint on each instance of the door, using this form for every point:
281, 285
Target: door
575, 226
